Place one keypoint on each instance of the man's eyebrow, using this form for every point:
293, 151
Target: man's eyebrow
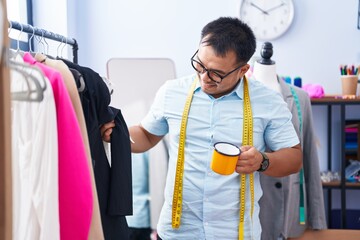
214, 70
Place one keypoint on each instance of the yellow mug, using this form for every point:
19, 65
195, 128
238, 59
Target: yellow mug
224, 158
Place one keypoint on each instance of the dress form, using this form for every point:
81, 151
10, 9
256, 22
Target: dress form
265, 69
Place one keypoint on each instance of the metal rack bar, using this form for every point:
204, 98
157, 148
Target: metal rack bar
47, 34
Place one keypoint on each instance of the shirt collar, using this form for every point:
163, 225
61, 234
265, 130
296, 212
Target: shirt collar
238, 90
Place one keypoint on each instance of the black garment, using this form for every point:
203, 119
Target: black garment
113, 184
140, 233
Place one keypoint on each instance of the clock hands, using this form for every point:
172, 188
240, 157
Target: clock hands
273, 8
269, 10
261, 10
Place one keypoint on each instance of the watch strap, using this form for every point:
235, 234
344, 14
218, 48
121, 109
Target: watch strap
265, 162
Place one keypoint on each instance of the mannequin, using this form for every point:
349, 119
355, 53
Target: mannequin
281, 196
265, 69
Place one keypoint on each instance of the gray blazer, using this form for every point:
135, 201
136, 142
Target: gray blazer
279, 206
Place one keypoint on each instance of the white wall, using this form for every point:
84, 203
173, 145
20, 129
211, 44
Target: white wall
323, 34
52, 16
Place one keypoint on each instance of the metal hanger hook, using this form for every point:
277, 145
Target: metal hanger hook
31, 37
18, 38
63, 47
57, 49
44, 39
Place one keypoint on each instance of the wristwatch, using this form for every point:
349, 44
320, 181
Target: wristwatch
265, 163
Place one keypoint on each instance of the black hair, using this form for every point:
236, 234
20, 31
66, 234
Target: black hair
230, 34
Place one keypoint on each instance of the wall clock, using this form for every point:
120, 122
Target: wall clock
268, 19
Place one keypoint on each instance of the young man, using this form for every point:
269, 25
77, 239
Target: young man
225, 107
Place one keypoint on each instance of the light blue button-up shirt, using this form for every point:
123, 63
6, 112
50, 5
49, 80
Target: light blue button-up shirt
211, 202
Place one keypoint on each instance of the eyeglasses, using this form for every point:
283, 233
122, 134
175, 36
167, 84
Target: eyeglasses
214, 76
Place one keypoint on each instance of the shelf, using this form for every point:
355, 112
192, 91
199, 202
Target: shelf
340, 104
332, 99
336, 184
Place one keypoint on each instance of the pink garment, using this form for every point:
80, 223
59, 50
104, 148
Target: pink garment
314, 90
75, 194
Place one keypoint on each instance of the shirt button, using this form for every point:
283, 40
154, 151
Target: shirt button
206, 199
206, 223
209, 173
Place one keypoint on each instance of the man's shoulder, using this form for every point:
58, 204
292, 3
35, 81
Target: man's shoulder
260, 90
179, 84
182, 81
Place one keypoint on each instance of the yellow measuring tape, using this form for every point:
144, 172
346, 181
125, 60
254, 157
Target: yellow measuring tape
178, 187
247, 140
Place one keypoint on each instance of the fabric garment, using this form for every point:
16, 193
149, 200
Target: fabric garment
34, 164
158, 166
95, 232
211, 201
74, 175
114, 184
279, 206
141, 195
140, 233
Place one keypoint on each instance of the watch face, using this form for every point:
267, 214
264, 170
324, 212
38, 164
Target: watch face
265, 164
267, 19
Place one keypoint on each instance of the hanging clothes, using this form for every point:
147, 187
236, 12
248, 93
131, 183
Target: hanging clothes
96, 232
34, 162
75, 193
113, 178
280, 203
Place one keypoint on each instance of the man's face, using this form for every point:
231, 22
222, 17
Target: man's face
221, 66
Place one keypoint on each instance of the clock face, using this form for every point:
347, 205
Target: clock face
267, 19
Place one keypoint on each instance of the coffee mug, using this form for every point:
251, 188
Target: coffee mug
224, 158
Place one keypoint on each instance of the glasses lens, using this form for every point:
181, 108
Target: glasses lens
214, 76
197, 66
201, 69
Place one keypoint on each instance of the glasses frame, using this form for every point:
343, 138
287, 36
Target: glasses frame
208, 71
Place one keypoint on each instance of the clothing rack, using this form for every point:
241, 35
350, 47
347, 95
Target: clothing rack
27, 28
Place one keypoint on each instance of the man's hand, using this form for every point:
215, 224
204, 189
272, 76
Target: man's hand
106, 130
249, 160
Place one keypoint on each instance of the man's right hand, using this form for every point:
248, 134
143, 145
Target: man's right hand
106, 130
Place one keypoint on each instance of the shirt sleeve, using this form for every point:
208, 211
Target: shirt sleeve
155, 121
280, 132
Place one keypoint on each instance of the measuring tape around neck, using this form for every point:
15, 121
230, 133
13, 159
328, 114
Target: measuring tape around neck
178, 186
247, 140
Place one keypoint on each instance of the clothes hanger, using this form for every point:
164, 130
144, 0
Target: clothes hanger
26, 70
34, 92
78, 77
40, 41
58, 47
63, 47
45, 42
30, 40
18, 38
13, 53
